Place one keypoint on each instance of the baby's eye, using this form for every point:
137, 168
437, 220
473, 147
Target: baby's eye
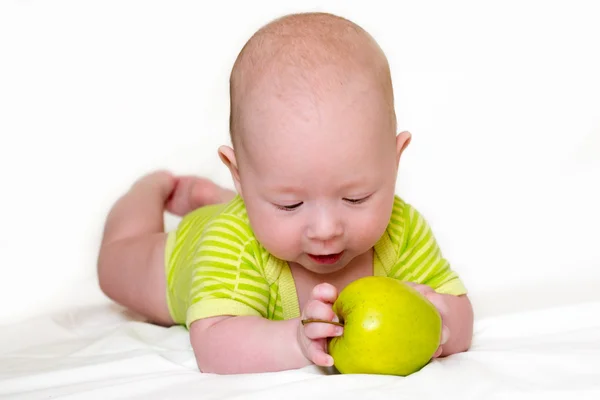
357, 201
288, 208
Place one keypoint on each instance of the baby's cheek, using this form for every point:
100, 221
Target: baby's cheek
368, 230
279, 239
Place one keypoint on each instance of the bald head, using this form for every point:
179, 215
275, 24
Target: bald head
314, 52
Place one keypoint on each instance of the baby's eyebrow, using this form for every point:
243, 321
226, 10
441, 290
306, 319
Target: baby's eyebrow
284, 189
360, 184
355, 183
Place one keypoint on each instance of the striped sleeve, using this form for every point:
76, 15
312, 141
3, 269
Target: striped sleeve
420, 259
228, 276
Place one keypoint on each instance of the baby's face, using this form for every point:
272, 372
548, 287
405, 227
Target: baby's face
318, 174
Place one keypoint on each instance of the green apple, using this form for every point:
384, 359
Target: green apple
389, 328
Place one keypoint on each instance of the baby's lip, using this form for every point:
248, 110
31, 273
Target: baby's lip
326, 258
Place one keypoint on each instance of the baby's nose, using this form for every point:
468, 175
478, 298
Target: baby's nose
325, 227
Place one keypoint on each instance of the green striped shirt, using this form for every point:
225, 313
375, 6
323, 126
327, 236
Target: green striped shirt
216, 266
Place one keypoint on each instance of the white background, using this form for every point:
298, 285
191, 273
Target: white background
503, 101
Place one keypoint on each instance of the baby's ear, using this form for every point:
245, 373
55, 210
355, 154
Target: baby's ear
227, 155
402, 141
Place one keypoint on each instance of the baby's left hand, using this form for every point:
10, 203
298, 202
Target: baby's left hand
439, 302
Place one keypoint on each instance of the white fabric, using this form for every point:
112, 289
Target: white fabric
101, 352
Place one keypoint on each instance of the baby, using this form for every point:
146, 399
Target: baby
314, 160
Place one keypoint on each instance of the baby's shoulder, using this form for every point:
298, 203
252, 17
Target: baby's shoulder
398, 215
227, 221
403, 218
403, 213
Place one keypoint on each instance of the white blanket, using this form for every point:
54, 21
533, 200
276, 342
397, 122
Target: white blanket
101, 352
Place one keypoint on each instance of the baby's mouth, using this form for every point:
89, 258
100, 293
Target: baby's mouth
326, 258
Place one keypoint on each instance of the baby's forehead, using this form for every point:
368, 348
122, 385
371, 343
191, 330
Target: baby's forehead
301, 153
307, 125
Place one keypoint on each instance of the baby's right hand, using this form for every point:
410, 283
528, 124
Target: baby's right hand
312, 336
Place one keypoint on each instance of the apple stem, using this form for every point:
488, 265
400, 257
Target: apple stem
310, 320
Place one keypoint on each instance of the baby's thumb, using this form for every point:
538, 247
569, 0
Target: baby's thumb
445, 335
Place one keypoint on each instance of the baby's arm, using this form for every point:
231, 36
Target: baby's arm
246, 344
459, 320
457, 317
249, 344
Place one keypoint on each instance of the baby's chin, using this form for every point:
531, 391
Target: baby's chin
324, 270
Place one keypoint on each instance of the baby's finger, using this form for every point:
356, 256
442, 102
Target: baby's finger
317, 355
423, 289
316, 309
325, 292
439, 302
443, 341
320, 330
445, 335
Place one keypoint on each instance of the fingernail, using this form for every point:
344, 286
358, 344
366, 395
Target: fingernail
445, 335
339, 330
330, 361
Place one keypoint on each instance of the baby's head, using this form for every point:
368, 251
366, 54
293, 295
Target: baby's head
315, 152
